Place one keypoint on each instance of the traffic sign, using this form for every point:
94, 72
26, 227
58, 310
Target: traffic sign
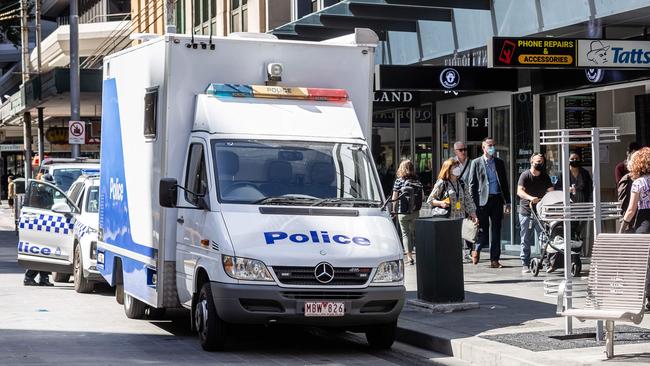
76, 132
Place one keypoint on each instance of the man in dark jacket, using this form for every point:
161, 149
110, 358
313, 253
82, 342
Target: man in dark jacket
488, 184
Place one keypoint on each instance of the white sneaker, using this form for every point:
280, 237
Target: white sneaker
525, 269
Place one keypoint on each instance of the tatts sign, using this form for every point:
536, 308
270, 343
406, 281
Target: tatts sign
532, 52
602, 53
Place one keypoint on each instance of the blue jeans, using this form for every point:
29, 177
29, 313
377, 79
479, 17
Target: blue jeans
528, 231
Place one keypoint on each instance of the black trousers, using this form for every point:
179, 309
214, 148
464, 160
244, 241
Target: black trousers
31, 274
490, 217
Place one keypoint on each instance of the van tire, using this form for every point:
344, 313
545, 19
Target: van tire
211, 329
81, 284
61, 277
381, 336
133, 308
119, 294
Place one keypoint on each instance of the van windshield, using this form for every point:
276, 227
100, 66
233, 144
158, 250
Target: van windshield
295, 173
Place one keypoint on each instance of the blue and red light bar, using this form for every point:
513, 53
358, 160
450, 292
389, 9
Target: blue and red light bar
277, 92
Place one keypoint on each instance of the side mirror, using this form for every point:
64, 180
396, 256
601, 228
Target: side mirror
168, 192
61, 208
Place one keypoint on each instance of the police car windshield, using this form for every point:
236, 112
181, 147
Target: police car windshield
64, 177
294, 173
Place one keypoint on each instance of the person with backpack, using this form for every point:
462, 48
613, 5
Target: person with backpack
451, 194
408, 196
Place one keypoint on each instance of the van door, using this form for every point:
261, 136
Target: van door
191, 221
45, 228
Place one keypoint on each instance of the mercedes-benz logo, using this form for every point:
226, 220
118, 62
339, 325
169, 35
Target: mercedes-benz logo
324, 272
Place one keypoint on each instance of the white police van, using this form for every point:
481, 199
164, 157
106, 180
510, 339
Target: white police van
236, 181
57, 232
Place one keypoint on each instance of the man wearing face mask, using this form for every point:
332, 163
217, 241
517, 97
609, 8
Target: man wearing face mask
531, 187
489, 189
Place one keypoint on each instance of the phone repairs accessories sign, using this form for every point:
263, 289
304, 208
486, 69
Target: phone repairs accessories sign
602, 53
76, 132
532, 52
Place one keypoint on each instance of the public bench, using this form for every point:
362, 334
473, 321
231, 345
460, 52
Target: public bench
617, 283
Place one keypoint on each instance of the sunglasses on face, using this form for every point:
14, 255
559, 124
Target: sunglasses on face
461, 150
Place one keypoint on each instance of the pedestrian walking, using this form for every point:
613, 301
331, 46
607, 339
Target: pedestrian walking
489, 189
640, 194
461, 155
621, 168
408, 195
451, 194
531, 187
11, 191
581, 190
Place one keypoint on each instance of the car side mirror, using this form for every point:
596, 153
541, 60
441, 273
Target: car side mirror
168, 192
61, 208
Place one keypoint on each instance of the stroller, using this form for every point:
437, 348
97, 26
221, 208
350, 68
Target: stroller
552, 240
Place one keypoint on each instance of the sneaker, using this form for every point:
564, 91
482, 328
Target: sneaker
525, 269
29, 282
45, 283
550, 269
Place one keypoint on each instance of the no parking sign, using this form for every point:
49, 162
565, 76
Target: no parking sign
76, 132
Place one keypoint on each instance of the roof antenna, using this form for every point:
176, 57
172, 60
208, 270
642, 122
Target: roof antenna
192, 44
211, 44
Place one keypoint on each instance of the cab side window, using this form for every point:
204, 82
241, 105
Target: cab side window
42, 196
196, 177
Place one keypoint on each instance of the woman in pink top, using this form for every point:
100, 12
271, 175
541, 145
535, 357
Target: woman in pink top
639, 167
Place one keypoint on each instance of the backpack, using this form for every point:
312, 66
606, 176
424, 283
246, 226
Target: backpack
411, 195
623, 189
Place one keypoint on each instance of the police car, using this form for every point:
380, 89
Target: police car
65, 171
58, 231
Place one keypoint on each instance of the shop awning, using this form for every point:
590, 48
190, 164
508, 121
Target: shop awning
379, 15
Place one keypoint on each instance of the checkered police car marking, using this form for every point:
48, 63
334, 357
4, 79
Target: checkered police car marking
80, 229
48, 223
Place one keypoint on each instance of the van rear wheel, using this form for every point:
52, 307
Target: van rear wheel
212, 330
133, 308
381, 336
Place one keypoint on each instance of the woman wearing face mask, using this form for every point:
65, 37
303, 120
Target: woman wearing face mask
451, 193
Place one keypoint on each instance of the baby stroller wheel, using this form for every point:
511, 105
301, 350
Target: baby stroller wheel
576, 267
535, 265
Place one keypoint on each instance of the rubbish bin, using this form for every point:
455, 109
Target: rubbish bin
439, 251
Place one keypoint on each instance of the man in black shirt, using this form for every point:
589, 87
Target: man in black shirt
532, 186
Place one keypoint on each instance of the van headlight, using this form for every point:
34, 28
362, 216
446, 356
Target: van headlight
392, 271
245, 269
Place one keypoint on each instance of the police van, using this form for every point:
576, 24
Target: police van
237, 181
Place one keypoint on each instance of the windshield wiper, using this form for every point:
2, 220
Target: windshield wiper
348, 200
284, 200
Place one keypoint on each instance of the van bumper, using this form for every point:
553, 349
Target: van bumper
254, 304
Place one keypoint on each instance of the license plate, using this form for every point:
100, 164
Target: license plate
324, 308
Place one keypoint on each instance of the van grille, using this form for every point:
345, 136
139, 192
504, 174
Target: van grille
343, 276
322, 295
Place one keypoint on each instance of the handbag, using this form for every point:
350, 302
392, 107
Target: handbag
439, 211
469, 230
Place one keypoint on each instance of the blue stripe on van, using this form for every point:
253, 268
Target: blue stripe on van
114, 218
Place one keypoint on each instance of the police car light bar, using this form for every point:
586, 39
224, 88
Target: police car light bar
277, 92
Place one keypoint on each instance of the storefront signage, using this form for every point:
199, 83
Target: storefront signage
57, 135
11, 147
477, 123
440, 78
531, 52
613, 54
76, 132
396, 98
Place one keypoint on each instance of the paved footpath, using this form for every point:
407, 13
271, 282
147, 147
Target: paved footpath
57, 326
515, 323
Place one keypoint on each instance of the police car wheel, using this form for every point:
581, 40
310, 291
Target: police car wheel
81, 284
381, 336
61, 277
211, 329
133, 308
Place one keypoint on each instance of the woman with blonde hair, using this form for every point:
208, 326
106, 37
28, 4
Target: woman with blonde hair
408, 195
451, 193
639, 167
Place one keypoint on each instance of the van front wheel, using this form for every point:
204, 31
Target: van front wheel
212, 330
381, 336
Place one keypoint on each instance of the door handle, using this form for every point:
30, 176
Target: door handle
180, 220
